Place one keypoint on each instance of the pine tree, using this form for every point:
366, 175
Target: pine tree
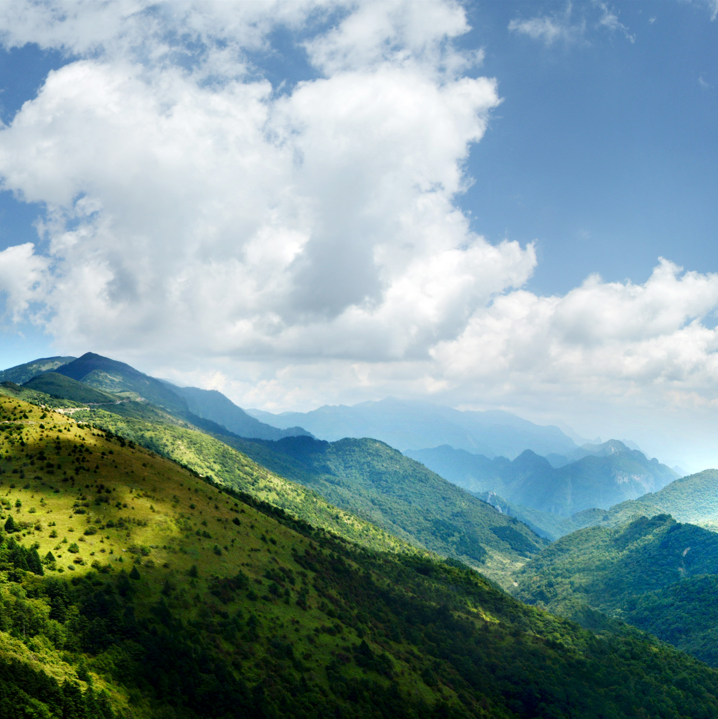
34, 563
134, 574
10, 525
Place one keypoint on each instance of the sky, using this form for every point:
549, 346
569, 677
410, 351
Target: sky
502, 204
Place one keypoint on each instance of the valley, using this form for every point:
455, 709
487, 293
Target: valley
299, 577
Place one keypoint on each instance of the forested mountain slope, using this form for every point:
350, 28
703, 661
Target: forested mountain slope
378, 483
24, 372
365, 478
132, 588
655, 573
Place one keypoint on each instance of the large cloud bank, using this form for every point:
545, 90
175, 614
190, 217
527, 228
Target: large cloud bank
305, 233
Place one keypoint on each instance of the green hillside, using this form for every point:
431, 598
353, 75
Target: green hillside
58, 385
109, 375
130, 587
25, 372
691, 499
657, 574
366, 478
378, 483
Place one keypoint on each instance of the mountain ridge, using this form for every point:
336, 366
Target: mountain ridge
601, 479
408, 425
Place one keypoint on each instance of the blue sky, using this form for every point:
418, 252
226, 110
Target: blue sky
319, 201
604, 149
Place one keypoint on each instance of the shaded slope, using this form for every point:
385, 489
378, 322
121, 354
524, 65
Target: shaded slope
232, 608
214, 406
60, 386
111, 376
369, 478
25, 372
656, 574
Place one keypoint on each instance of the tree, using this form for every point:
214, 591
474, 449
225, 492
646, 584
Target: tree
134, 574
10, 525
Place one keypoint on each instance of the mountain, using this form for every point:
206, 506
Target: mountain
214, 406
691, 499
119, 378
131, 587
610, 474
59, 386
410, 425
378, 483
25, 372
143, 425
655, 573
385, 493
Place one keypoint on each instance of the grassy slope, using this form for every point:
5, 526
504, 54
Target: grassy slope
280, 620
364, 477
210, 457
379, 483
656, 574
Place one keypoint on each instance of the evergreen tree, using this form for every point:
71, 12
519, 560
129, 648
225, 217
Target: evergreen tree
33, 562
10, 525
134, 574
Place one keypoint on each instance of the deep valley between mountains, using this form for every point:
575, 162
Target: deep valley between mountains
165, 553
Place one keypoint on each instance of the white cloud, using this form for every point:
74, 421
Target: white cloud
610, 338
221, 216
552, 28
609, 20
22, 279
569, 26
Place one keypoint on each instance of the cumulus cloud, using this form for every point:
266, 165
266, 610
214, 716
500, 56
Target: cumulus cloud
22, 279
600, 337
223, 215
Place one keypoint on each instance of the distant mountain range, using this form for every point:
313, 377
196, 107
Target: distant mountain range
409, 425
605, 475
691, 499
